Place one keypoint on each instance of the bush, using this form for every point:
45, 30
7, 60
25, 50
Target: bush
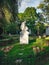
1, 57
12, 28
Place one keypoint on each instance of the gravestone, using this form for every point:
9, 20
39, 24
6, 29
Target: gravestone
47, 31
24, 34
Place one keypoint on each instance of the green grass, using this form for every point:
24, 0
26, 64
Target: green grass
28, 56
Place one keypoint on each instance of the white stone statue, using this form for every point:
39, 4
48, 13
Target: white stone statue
24, 34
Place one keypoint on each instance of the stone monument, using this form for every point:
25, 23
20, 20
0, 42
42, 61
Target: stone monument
24, 34
47, 31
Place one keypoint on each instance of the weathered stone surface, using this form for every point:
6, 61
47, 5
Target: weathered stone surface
24, 34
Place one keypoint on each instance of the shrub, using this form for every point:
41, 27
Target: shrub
1, 57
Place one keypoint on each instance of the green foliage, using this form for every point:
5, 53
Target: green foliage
40, 28
11, 28
45, 9
30, 15
46, 1
1, 57
9, 9
21, 17
41, 5
41, 18
1, 54
28, 57
7, 14
40, 43
47, 38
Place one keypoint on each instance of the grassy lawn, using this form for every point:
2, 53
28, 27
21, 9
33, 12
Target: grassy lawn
35, 53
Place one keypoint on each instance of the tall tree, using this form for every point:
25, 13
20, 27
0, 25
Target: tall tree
30, 15
11, 6
2, 16
44, 6
8, 12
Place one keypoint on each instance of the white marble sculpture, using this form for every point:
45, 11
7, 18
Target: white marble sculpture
24, 34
